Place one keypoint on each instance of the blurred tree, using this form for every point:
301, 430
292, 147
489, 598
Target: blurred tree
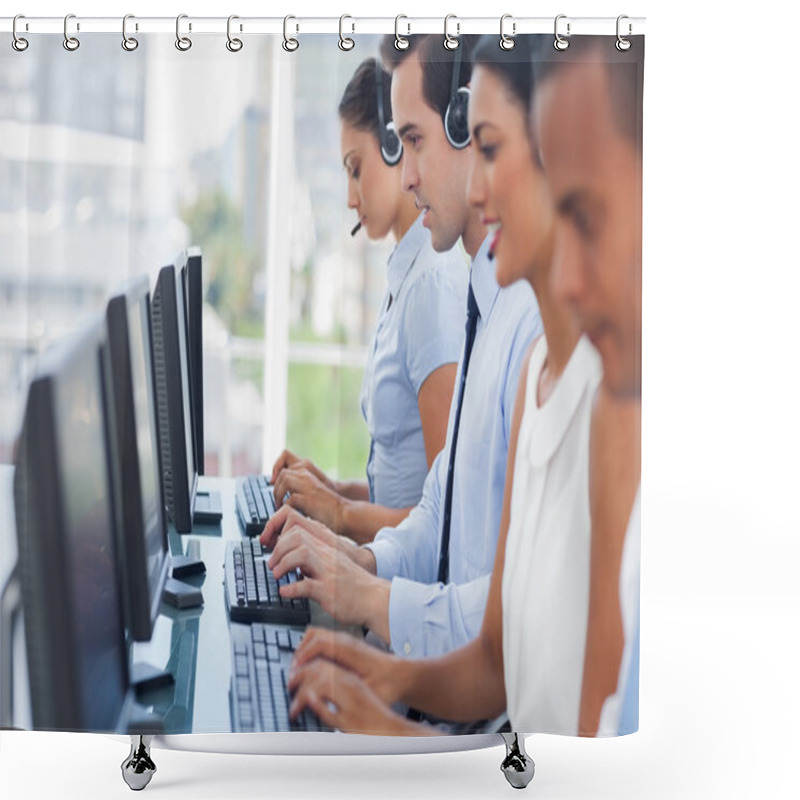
229, 265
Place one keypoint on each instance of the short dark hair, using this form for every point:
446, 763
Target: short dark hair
359, 104
437, 64
624, 75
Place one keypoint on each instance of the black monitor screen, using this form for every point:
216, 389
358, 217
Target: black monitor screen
170, 360
66, 524
89, 546
185, 392
190, 265
144, 408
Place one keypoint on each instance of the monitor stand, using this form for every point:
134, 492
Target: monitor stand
182, 595
207, 508
147, 678
176, 592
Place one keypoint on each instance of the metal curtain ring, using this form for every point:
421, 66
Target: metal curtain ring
183, 43
451, 42
233, 44
507, 42
70, 42
622, 44
128, 42
290, 44
346, 43
18, 43
400, 42
560, 42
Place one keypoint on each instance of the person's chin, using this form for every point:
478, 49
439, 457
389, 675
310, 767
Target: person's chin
441, 240
504, 275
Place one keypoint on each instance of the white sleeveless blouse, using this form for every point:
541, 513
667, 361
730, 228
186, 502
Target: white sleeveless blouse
546, 570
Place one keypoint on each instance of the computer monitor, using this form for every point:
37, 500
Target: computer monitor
170, 361
65, 519
190, 265
142, 530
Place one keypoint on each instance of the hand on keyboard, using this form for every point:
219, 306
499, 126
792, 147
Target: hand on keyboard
379, 670
345, 590
288, 460
343, 701
286, 518
303, 490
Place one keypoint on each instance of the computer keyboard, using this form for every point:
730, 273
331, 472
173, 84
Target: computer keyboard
259, 699
252, 591
255, 503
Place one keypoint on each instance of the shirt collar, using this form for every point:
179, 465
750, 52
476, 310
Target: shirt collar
483, 279
405, 254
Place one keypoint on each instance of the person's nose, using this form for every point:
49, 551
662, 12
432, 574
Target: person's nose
410, 174
476, 188
567, 278
352, 194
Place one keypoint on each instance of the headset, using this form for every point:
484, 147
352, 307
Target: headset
456, 122
391, 146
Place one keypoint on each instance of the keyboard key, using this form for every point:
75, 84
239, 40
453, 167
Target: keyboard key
252, 591
243, 689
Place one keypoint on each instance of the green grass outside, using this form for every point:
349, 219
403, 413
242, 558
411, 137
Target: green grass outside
324, 419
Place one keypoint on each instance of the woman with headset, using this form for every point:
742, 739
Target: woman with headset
411, 366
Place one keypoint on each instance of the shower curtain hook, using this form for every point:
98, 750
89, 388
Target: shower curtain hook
400, 42
290, 44
561, 43
346, 43
507, 42
451, 42
128, 42
70, 42
233, 44
622, 44
18, 43
183, 43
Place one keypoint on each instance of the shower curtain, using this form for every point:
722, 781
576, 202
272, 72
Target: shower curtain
227, 137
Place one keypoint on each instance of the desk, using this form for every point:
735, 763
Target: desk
192, 644
199, 701
196, 643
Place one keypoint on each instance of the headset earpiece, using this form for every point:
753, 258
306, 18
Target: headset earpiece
391, 146
456, 115
456, 119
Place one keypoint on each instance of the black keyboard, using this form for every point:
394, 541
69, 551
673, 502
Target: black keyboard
252, 591
255, 503
259, 698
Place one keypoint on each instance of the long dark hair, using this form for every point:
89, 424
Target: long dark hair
359, 104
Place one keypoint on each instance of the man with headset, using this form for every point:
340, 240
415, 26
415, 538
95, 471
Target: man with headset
422, 586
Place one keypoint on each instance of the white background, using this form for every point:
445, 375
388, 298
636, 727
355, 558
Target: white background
721, 543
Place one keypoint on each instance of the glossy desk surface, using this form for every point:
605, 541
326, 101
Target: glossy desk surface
195, 643
192, 644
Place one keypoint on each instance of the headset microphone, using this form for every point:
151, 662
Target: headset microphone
356, 229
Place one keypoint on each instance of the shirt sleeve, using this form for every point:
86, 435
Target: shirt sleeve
431, 620
434, 320
412, 548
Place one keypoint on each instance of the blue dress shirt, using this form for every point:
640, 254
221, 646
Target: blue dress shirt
427, 618
420, 328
